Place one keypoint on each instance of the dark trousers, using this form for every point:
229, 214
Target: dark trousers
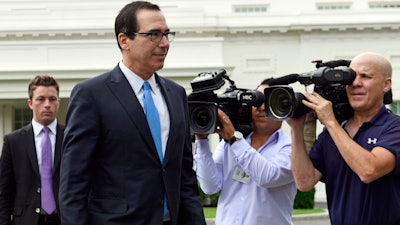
53, 219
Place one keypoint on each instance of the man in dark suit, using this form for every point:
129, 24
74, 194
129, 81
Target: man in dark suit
111, 170
23, 185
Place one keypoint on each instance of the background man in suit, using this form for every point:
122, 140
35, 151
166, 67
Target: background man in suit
23, 176
111, 171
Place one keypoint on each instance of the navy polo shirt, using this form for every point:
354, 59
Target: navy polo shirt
350, 201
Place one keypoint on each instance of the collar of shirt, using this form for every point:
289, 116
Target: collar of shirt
37, 127
37, 130
275, 137
135, 81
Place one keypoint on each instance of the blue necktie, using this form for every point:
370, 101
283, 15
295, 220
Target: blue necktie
153, 119
46, 176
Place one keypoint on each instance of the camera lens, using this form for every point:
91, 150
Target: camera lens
203, 117
281, 103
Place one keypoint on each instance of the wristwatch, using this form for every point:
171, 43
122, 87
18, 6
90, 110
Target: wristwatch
236, 136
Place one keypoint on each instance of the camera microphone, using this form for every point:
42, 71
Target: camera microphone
332, 63
285, 80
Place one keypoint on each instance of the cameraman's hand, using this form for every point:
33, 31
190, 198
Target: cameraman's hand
228, 129
297, 122
322, 107
201, 136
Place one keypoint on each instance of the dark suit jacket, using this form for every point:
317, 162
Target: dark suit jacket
110, 171
20, 177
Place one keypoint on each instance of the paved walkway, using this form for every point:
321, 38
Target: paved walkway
309, 219
314, 219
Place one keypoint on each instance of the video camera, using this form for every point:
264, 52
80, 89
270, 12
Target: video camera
235, 102
330, 80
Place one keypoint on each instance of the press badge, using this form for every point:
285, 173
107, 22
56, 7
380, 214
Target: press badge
240, 175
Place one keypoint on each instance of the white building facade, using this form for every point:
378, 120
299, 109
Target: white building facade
73, 40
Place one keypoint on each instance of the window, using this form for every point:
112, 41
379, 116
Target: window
384, 5
250, 9
395, 107
22, 116
333, 6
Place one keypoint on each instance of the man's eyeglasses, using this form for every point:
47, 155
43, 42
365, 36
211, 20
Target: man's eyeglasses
156, 36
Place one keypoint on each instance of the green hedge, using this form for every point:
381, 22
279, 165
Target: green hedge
303, 200
208, 200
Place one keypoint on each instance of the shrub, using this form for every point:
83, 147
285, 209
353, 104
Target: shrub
208, 200
304, 200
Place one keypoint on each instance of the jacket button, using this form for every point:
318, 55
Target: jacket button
38, 190
37, 210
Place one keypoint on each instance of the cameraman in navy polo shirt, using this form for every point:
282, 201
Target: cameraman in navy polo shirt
358, 160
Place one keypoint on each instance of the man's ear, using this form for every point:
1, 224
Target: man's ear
29, 101
388, 97
123, 41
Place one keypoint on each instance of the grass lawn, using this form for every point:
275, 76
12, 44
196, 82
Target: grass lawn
209, 212
307, 211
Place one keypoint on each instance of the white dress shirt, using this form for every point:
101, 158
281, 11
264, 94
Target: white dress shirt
267, 197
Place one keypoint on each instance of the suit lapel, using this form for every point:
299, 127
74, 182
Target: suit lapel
123, 92
166, 91
31, 148
58, 147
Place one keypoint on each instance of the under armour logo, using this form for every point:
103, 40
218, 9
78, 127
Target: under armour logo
372, 140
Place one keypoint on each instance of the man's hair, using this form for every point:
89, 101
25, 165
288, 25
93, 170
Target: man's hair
126, 21
42, 80
266, 81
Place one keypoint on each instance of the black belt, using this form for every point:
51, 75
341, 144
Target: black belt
52, 219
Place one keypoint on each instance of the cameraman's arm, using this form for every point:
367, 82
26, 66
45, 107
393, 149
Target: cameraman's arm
368, 165
305, 175
208, 171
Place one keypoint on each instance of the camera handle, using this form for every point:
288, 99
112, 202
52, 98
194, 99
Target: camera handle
231, 82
